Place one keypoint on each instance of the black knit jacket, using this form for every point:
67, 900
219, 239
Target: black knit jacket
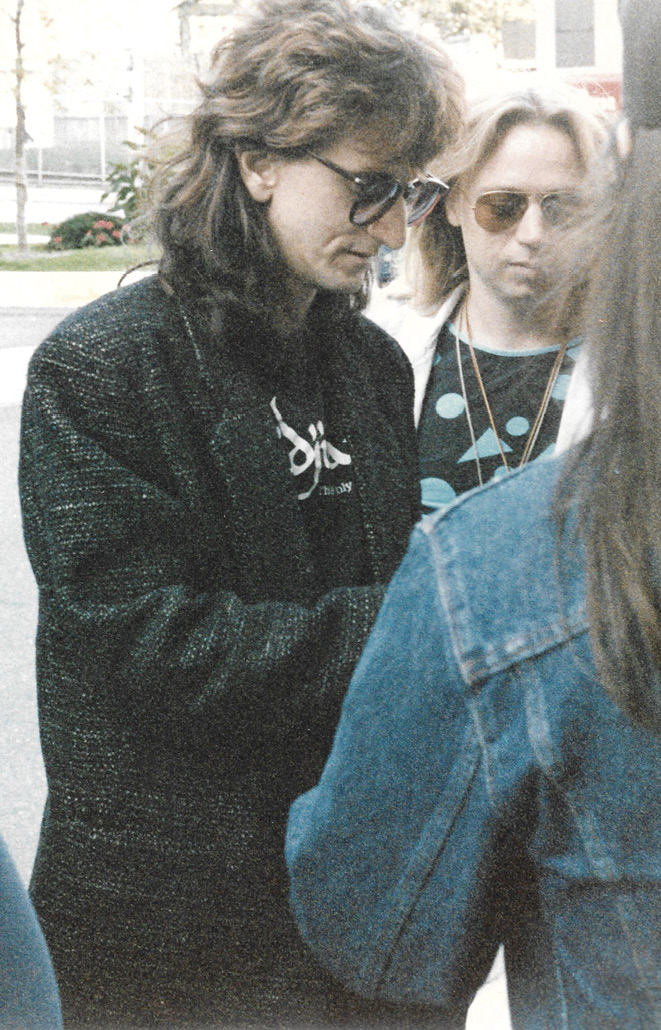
189, 673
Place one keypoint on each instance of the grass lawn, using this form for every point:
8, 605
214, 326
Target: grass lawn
34, 228
89, 259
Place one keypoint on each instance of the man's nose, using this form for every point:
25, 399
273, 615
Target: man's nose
532, 227
390, 228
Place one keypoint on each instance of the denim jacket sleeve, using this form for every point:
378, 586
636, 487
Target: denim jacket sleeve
396, 856
483, 787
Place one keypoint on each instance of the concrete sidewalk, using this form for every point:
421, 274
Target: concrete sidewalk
58, 289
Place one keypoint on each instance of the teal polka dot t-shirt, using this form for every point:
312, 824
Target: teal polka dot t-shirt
515, 382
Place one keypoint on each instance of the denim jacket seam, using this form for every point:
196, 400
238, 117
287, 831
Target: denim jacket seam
479, 662
491, 659
489, 773
383, 948
443, 558
538, 725
601, 863
561, 995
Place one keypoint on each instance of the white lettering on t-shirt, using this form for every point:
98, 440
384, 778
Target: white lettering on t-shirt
318, 454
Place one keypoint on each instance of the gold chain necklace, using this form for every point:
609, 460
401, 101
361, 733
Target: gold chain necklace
541, 414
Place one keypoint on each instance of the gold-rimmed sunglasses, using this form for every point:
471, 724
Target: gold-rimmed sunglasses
498, 210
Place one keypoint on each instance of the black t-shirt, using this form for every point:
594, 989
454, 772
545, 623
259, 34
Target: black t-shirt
515, 382
321, 466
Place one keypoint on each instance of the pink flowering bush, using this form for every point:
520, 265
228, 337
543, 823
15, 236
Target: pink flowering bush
92, 229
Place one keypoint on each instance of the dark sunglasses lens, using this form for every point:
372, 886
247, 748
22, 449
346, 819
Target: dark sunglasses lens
422, 200
374, 201
557, 208
499, 210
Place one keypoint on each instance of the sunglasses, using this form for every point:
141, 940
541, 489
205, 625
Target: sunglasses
379, 191
499, 210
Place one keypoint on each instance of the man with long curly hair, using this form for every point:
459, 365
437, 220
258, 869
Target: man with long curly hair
218, 479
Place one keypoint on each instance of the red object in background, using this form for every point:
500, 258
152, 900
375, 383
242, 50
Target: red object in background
598, 84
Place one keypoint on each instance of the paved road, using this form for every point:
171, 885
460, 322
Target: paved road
22, 782
26, 327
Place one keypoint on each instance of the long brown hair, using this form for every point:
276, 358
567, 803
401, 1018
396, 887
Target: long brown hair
296, 74
612, 480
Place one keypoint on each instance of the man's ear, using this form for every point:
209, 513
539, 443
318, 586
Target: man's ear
452, 206
258, 169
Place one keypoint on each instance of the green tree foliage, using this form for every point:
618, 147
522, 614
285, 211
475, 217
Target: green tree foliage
127, 184
123, 186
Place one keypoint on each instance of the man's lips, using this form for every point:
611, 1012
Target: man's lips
361, 255
526, 268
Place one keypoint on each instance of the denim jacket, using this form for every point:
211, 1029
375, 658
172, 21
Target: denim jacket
484, 789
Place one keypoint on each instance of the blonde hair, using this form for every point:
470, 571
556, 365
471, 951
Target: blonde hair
435, 259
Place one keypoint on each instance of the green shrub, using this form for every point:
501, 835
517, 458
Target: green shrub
91, 229
127, 182
124, 187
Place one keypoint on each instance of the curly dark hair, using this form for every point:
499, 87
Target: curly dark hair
295, 74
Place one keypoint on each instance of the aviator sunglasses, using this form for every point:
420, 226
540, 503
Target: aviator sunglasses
499, 210
379, 191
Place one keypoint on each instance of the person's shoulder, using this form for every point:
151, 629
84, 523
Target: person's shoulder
117, 321
131, 305
511, 501
378, 345
107, 348
385, 366
504, 561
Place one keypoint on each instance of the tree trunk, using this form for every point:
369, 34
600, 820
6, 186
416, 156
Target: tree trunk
21, 138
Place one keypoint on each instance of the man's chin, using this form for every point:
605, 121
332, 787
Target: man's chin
525, 295
348, 284
531, 292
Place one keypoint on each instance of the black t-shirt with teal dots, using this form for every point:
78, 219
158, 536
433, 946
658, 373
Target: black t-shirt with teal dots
515, 382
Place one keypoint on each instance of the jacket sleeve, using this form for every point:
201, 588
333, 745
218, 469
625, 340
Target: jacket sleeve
123, 614
398, 859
